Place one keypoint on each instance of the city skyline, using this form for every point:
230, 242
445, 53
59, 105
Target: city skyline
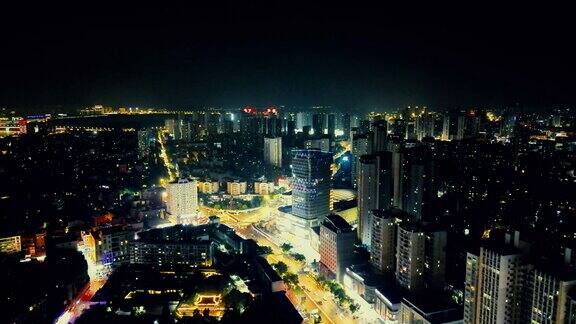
294, 163
239, 214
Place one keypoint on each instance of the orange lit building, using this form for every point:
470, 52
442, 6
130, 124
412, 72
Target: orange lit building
103, 219
34, 244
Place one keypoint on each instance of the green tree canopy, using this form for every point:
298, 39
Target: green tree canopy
291, 279
280, 267
286, 247
264, 249
299, 257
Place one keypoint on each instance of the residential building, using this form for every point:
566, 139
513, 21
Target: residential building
375, 190
182, 201
383, 246
273, 151
236, 187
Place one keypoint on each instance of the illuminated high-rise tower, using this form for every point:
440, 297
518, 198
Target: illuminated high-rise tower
446, 128
311, 185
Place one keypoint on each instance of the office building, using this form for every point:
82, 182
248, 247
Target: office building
273, 151
311, 185
182, 201
336, 246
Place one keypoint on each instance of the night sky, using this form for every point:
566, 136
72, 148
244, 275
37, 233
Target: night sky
75, 54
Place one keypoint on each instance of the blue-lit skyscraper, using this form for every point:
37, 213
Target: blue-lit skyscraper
311, 184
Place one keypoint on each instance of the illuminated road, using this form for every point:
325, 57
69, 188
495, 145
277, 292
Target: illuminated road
346, 148
316, 298
313, 298
98, 278
234, 217
244, 218
335, 167
81, 303
165, 159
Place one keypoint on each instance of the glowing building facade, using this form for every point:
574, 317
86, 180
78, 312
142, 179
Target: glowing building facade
311, 185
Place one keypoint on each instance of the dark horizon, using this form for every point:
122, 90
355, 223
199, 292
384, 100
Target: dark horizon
374, 56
